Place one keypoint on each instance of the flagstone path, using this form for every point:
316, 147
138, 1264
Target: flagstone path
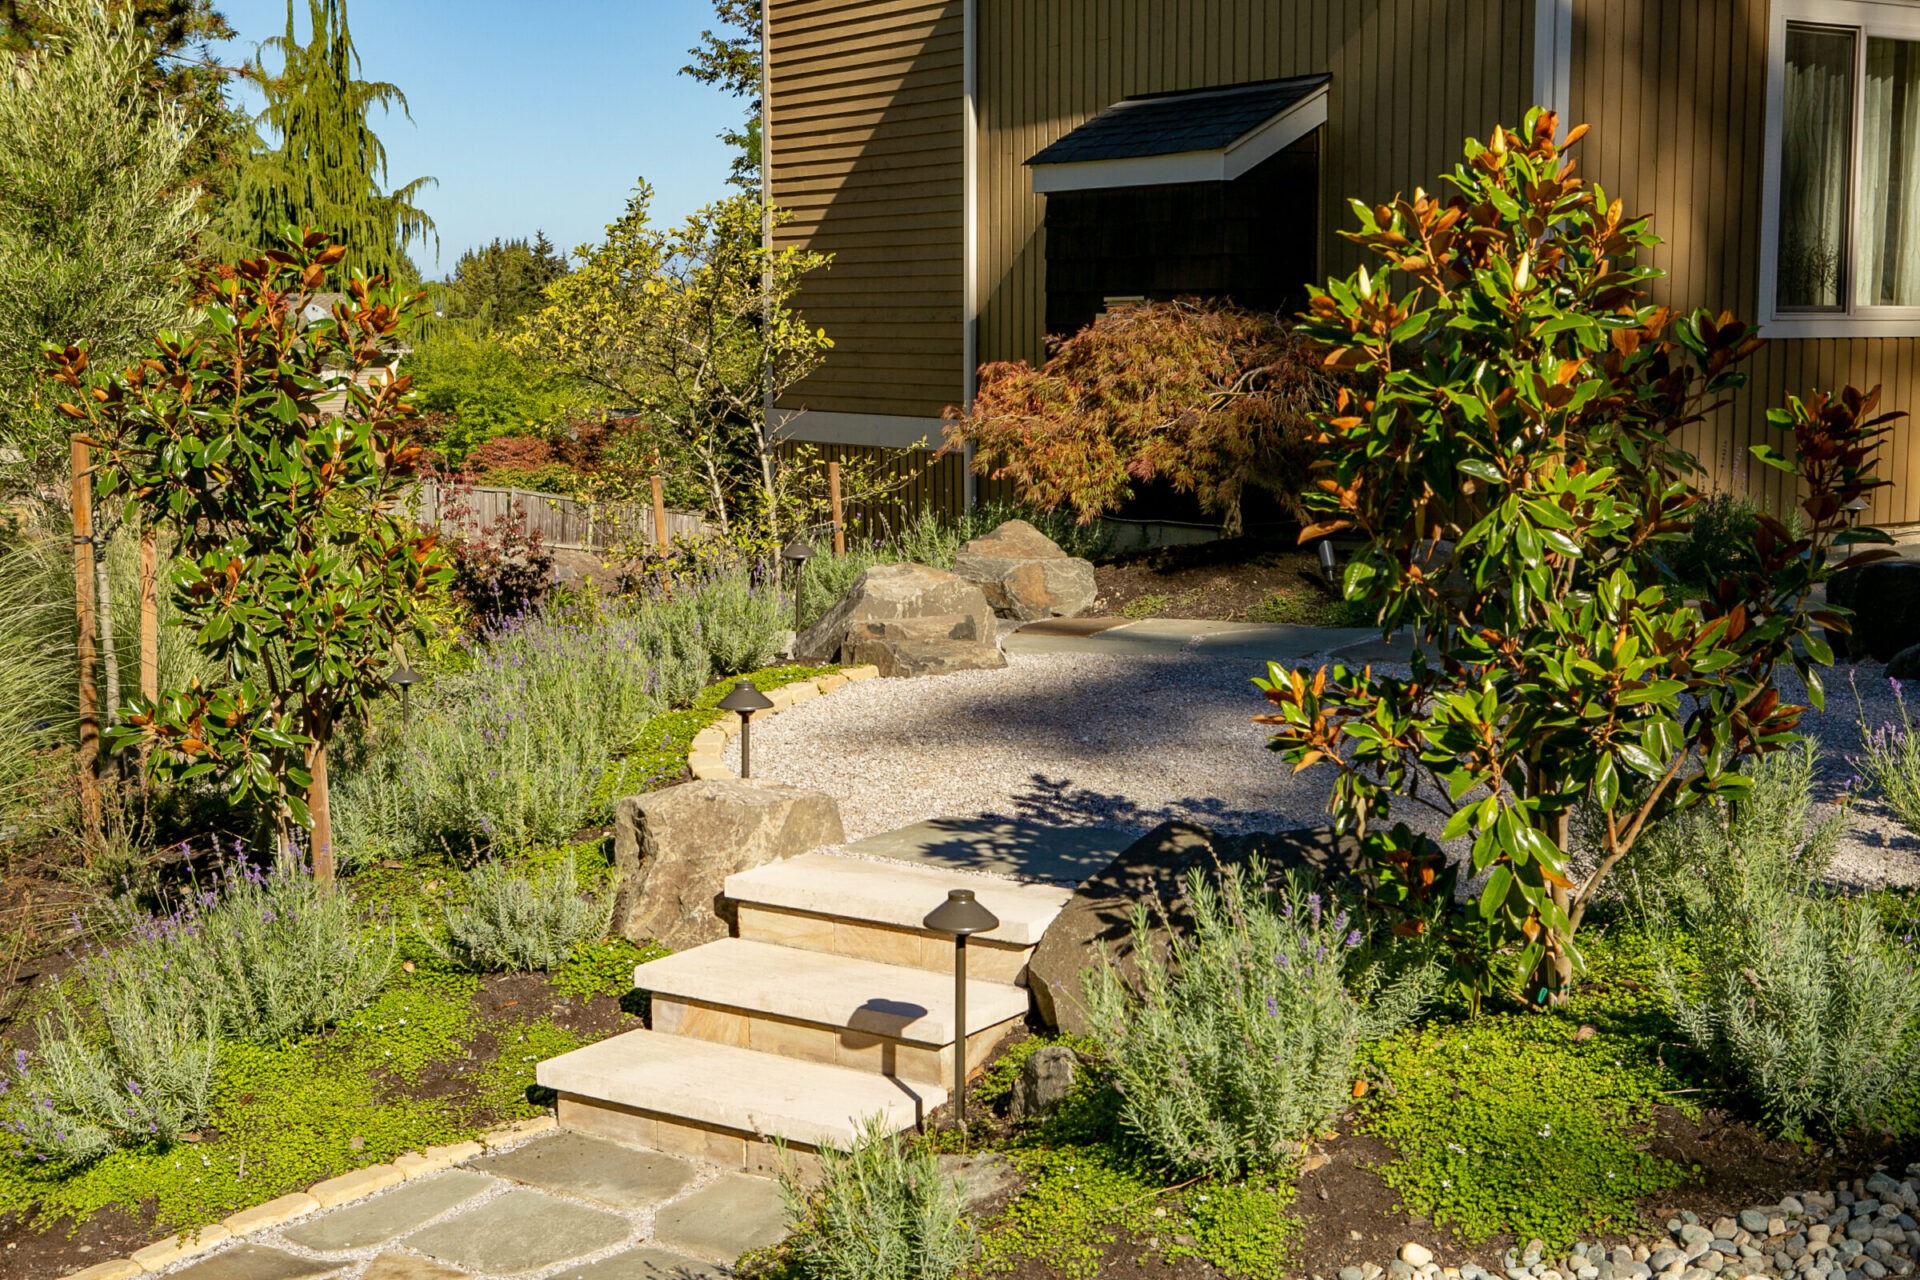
562, 1206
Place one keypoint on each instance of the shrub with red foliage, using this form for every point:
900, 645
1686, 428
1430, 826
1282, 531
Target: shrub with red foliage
1207, 396
509, 453
501, 569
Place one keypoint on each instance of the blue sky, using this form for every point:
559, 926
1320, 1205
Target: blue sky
532, 116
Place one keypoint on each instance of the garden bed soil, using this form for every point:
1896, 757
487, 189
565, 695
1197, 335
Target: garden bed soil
1251, 579
35, 1250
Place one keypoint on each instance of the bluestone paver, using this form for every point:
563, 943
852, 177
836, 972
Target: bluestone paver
576, 1165
520, 1231
724, 1219
388, 1216
257, 1262
645, 1263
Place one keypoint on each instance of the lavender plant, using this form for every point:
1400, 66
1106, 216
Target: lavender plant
881, 1210
509, 753
138, 1070
276, 955
1889, 762
1237, 1043
1798, 996
524, 923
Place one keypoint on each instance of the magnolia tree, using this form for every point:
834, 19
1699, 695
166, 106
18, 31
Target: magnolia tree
278, 450
1508, 452
1206, 396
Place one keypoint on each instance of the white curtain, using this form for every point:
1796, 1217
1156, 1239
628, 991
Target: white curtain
1815, 151
1890, 176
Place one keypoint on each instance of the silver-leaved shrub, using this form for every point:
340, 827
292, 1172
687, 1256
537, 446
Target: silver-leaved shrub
880, 1211
522, 923
1237, 1042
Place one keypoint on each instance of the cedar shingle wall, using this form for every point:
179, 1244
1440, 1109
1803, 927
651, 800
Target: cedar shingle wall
1676, 94
1411, 79
867, 152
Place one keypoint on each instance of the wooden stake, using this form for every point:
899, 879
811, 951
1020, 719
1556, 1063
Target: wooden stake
659, 515
833, 497
150, 613
320, 803
83, 593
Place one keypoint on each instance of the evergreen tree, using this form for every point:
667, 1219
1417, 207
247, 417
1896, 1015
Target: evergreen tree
98, 215
730, 59
498, 283
327, 168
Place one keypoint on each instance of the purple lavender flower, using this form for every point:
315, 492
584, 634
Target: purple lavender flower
133, 1087
1273, 1007
1353, 939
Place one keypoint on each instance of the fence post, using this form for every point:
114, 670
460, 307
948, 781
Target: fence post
659, 515
833, 497
83, 593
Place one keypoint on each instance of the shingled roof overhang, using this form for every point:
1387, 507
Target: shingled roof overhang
1190, 135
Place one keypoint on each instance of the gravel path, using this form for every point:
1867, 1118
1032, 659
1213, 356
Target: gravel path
1129, 742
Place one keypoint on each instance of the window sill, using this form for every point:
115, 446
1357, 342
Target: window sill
1841, 327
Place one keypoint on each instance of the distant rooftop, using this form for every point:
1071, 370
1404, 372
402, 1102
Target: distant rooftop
1186, 120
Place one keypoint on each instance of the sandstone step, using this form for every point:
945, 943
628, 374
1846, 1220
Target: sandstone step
721, 1103
872, 910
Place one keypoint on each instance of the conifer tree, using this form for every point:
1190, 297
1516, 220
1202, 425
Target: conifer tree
327, 168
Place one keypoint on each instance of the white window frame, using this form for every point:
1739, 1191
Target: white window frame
1900, 20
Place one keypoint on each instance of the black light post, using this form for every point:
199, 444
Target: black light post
744, 701
405, 678
962, 916
797, 553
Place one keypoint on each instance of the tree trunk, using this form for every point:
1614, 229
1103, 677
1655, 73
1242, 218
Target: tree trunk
319, 803
1232, 524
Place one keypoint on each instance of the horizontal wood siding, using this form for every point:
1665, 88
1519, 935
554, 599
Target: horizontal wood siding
867, 143
1411, 79
1676, 95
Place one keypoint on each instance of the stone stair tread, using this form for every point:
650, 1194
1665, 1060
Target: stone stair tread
830, 990
894, 894
737, 1089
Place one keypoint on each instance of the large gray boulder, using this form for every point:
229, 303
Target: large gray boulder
907, 619
930, 646
674, 849
1885, 599
1026, 575
1153, 871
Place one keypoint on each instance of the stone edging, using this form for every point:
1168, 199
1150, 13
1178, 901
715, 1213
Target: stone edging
706, 754
329, 1194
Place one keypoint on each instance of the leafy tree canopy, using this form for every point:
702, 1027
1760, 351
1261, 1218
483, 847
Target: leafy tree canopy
1509, 457
690, 327
326, 168
278, 450
730, 59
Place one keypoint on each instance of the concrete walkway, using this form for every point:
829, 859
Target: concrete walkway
1161, 637
562, 1206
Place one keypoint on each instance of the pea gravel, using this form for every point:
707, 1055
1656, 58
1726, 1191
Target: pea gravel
1131, 741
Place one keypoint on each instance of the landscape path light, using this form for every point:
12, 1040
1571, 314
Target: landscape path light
961, 915
743, 702
404, 679
797, 553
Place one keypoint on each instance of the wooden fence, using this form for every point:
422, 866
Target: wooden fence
564, 524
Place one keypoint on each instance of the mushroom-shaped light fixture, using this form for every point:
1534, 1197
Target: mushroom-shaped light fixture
743, 701
961, 915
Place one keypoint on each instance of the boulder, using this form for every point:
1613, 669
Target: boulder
1904, 665
1046, 1078
1885, 599
907, 619
1153, 871
930, 646
1026, 575
674, 849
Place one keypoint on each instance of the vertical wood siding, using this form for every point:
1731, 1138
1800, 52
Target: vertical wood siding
867, 144
1411, 79
1676, 95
